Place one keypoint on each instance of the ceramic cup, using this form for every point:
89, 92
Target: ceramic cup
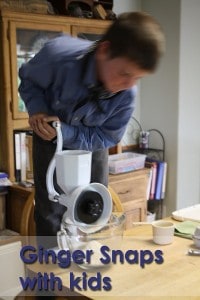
163, 232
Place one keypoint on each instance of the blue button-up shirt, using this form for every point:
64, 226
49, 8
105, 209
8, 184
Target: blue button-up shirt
58, 80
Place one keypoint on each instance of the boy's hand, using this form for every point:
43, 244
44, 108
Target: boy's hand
40, 125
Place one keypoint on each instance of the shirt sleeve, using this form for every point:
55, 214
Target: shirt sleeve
105, 136
36, 76
39, 73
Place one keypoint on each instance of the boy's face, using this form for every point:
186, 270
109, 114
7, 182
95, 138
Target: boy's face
117, 74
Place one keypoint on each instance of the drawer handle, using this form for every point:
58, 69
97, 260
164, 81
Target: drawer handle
123, 193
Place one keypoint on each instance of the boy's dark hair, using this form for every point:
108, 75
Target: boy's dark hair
138, 37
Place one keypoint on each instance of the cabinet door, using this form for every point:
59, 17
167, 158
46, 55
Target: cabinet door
88, 32
26, 39
135, 211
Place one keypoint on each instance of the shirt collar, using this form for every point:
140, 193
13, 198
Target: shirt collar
89, 74
90, 77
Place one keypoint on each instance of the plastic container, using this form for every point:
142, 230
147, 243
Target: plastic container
126, 162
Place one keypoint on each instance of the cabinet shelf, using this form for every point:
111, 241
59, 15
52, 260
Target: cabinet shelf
152, 153
157, 154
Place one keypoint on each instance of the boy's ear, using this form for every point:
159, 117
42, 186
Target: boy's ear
103, 49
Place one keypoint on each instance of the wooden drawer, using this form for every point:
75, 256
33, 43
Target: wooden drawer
132, 190
135, 211
130, 186
15, 203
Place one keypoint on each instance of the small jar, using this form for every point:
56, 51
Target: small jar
144, 140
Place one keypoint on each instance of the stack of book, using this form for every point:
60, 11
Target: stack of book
23, 155
157, 181
4, 181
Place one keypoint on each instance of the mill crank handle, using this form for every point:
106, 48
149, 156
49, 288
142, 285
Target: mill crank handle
52, 193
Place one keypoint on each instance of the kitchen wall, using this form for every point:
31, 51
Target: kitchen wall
169, 99
120, 6
132, 131
189, 105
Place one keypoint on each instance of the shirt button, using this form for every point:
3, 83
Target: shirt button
76, 119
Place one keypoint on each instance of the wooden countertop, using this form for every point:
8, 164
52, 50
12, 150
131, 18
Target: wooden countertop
177, 277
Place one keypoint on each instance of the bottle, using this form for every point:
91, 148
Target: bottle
144, 140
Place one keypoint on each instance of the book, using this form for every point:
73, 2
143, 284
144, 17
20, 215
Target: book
23, 154
4, 181
159, 180
164, 181
153, 166
29, 159
149, 183
17, 156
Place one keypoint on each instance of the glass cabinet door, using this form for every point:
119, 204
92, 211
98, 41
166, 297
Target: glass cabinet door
25, 41
88, 33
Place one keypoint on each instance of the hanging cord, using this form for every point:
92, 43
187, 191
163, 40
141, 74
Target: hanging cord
132, 132
152, 130
138, 123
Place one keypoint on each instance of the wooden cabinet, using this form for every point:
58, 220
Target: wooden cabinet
132, 190
19, 211
130, 187
21, 36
